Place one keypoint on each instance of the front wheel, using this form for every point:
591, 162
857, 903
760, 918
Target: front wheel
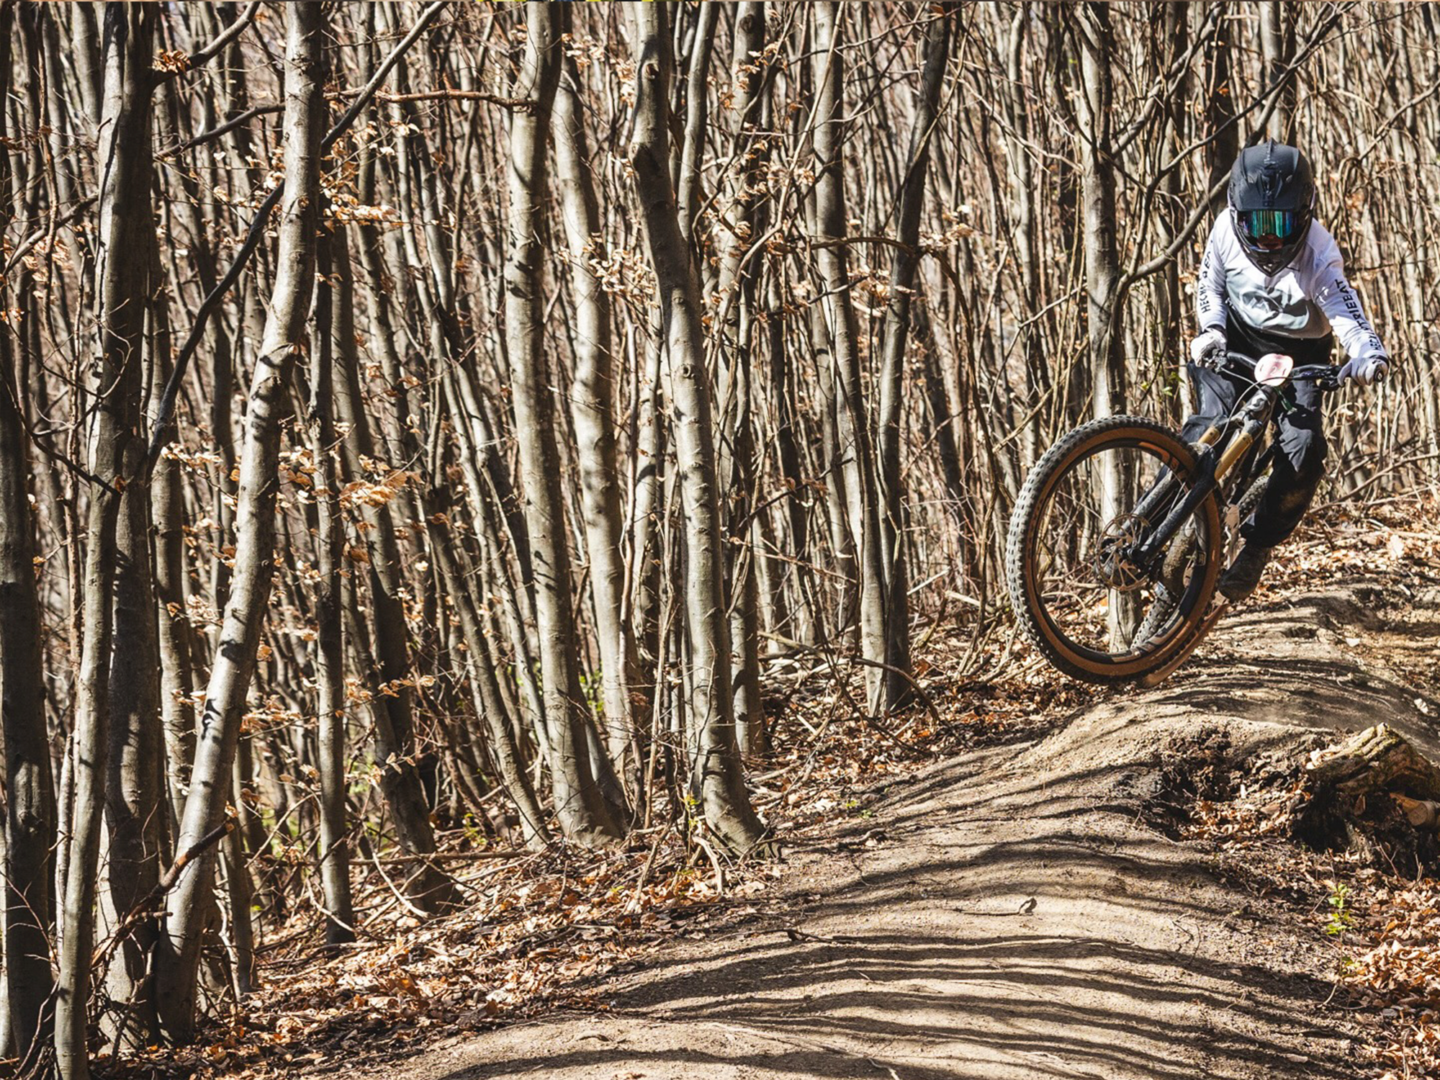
1082, 591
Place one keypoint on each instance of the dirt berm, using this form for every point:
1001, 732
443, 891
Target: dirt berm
1017, 913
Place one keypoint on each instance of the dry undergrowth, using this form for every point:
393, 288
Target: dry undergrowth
1380, 907
538, 932
1382, 920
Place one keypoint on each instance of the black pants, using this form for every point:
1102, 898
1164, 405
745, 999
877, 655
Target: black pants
1300, 452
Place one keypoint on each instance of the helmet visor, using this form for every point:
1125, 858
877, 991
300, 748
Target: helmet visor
1267, 229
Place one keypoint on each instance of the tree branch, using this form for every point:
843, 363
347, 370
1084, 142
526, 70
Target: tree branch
209, 52
101, 956
165, 414
221, 129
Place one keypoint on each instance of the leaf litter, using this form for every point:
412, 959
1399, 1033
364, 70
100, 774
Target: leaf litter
540, 932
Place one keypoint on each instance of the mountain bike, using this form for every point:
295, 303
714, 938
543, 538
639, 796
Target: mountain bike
1122, 530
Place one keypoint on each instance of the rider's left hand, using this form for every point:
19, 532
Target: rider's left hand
1365, 369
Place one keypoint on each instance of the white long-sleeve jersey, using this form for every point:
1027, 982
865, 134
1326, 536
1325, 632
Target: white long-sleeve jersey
1307, 299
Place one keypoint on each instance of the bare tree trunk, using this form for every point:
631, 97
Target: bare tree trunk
579, 803
176, 637
235, 870
1105, 317
1277, 48
1038, 375
894, 335
137, 808
716, 772
484, 686
334, 853
591, 397
1102, 261
29, 784
393, 711
122, 264
1224, 136
736, 293
234, 665
836, 483
1170, 298
697, 102
852, 419
782, 389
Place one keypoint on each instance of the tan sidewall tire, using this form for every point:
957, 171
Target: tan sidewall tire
1030, 614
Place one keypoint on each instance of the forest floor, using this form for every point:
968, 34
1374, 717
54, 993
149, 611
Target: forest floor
1085, 888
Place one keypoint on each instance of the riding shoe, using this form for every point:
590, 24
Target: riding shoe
1244, 574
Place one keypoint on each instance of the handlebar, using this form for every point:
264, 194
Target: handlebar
1326, 376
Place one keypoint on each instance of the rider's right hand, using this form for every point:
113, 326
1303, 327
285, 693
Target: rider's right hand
1208, 350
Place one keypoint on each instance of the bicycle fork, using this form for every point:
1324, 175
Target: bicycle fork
1253, 419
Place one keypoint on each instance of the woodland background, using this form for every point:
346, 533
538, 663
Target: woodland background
428, 431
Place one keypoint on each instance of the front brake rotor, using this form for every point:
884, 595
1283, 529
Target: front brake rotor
1112, 559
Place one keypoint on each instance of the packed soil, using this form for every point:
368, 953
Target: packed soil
1033, 910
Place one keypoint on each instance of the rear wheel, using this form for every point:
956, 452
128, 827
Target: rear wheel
1073, 555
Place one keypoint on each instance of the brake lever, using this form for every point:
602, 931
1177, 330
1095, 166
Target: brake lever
1328, 378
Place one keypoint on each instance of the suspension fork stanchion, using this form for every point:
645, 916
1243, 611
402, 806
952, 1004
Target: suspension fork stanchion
1161, 488
1150, 548
1211, 435
1255, 418
1234, 452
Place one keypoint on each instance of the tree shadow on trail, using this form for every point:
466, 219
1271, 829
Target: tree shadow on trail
987, 1007
954, 986
1015, 920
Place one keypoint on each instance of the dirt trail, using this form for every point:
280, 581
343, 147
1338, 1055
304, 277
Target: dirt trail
1010, 914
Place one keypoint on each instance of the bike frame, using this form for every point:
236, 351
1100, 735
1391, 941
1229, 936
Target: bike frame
1253, 414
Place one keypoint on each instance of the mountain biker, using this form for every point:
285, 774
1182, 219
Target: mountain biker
1272, 280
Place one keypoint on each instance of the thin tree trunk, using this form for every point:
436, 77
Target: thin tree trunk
646, 557
697, 100
1223, 136
895, 333
176, 636
334, 853
716, 774
29, 784
579, 803
122, 266
137, 808
852, 420
1105, 318
1038, 375
1101, 229
591, 397
234, 665
1277, 49
488, 703
737, 293
428, 885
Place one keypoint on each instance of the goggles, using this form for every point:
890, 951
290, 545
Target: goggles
1267, 229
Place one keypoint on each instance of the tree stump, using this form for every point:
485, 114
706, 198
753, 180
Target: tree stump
1366, 790
1377, 759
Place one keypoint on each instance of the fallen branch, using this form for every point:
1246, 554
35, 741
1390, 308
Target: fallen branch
458, 856
805, 935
